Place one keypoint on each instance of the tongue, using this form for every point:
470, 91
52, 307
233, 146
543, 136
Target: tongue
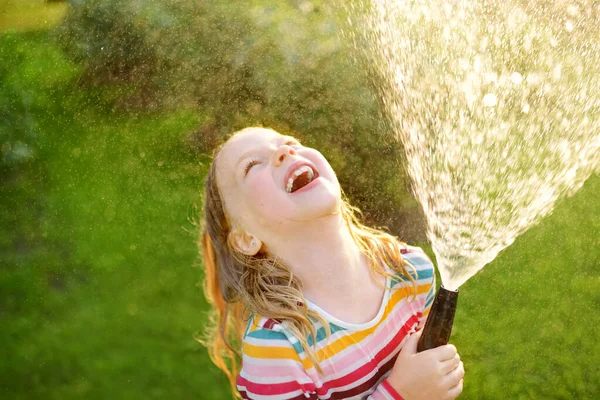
300, 181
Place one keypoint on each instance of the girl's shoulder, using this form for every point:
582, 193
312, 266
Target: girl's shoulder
258, 325
416, 256
422, 270
419, 261
266, 331
271, 362
265, 338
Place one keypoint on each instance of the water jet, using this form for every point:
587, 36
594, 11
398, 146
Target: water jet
496, 105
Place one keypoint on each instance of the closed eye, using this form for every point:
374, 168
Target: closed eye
249, 165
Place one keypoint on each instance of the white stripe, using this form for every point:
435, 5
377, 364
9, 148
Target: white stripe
285, 396
271, 361
285, 377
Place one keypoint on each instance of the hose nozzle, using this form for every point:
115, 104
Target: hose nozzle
439, 322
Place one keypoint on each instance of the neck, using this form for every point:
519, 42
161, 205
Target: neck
323, 255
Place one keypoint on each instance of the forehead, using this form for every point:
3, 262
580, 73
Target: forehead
235, 147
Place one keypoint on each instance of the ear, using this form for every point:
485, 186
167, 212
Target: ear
244, 242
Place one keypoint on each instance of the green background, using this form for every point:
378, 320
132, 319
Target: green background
99, 265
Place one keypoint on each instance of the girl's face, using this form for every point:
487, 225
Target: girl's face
269, 182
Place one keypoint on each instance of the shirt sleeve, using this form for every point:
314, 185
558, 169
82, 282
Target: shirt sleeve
428, 301
426, 280
272, 368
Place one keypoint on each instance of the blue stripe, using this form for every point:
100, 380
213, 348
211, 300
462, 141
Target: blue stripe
321, 334
267, 334
421, 274
417, 259
428, 302
248, 325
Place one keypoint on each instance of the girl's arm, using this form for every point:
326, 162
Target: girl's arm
271, 366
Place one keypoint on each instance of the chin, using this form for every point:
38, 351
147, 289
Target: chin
319, 202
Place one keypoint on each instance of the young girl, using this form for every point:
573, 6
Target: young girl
315, 304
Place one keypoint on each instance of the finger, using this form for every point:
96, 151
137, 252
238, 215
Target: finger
446, 352
455, 391
450, 365
410, 347
455, 376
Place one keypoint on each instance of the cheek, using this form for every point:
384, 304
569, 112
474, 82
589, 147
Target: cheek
265, 197
322, 165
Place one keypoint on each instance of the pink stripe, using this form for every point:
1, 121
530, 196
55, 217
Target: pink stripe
374, 364
273, 388
265, 370
351, 356
297, 374
390, 389
389, 327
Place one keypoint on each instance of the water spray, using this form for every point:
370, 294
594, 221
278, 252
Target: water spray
493, 136
439, 322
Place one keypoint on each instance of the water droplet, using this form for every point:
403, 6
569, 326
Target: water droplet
516, 78
557, 72
572, 10
490, 100
533, 79
569, 26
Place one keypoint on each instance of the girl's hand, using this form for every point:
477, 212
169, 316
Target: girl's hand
434, 374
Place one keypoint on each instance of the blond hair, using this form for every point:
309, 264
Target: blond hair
237, 285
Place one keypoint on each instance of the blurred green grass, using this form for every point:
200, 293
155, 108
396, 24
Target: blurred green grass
24, 15
99, 262
99, 266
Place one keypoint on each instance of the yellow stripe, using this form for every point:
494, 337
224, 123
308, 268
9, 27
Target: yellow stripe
346, 341
286, 353
254, 325
426, 312
333, 348
269, 352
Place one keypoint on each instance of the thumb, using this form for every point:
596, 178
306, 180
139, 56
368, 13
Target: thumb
410, 347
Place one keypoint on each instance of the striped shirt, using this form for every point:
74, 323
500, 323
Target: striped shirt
356, 359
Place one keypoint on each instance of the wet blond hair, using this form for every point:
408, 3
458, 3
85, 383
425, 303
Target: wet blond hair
238, 285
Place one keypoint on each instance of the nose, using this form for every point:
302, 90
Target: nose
282, 153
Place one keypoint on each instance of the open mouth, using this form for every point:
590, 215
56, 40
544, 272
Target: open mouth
300, 177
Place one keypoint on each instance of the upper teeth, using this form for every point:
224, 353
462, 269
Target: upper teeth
297, 173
